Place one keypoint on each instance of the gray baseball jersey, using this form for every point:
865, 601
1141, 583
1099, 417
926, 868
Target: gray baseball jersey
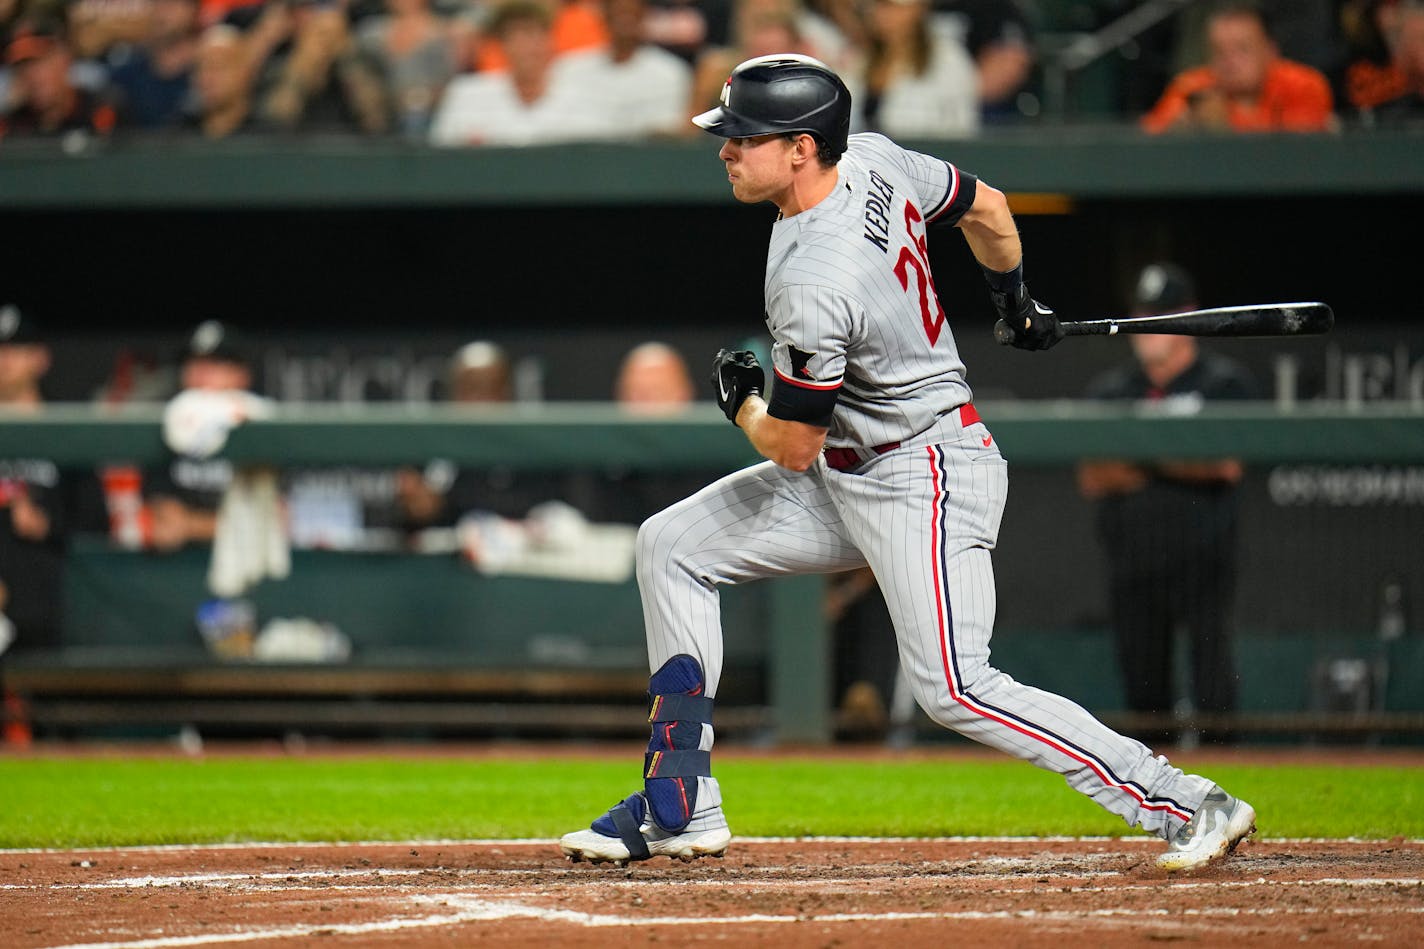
851, 303
863, 347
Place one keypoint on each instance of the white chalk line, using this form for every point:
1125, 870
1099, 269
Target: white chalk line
470, 910
755, 841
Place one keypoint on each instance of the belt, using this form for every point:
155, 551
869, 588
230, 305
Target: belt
844, 459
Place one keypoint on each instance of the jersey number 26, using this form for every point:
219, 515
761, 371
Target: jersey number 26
916, 256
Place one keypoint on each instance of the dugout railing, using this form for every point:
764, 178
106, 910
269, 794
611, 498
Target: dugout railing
131, 661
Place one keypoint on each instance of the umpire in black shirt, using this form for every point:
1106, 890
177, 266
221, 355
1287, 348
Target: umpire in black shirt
1169, 527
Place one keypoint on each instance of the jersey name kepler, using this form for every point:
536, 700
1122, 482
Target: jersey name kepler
877, 211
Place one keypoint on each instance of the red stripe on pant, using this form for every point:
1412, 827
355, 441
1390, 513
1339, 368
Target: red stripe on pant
968, 701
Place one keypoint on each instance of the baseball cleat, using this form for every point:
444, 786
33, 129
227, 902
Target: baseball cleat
636, 836
1215, 829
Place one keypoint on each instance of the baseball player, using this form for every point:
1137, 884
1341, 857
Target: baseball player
876, 456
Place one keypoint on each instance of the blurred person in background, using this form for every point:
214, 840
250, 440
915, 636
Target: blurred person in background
223, 101
1245, 86
999, 38
43, 97
1168, 528
311, 74
96, 26
653, 380
153, 77
481, 376
531, 103
417, 51
688, 28
918, 81
761, 28
32, 508
183, 497
1407, 108
1372, 75
642, 89
574, 26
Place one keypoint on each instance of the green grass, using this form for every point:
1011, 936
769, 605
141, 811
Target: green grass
76, 802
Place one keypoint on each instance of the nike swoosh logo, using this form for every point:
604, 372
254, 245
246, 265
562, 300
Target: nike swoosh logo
988, 440
722, 387
1043, 310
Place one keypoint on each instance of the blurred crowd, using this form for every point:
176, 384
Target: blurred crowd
509, 72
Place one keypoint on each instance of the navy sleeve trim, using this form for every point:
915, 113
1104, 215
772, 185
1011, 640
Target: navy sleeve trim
796, 401
958, 198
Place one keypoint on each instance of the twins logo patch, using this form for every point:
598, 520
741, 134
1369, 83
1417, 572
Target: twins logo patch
799, 360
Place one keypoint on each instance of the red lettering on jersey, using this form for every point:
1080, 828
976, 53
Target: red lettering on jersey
933, 319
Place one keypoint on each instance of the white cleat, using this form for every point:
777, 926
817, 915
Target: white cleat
596, 848
1215, 829
636, 836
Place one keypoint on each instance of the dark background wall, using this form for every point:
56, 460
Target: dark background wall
574, 286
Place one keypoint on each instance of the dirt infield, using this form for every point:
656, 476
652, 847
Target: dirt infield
791, 893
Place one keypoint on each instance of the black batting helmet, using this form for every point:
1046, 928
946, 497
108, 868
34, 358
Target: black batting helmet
784, 92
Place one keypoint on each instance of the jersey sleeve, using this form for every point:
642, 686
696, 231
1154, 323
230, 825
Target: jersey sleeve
811, 328
944, 191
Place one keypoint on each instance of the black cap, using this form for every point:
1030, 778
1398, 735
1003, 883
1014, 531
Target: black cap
215, 340
17, 327
1162, 288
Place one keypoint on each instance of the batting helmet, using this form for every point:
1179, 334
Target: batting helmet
784, 92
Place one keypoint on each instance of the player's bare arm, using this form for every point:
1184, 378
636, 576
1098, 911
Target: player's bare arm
790, 444
989, 228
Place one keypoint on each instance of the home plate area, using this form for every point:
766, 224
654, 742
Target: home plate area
787, 892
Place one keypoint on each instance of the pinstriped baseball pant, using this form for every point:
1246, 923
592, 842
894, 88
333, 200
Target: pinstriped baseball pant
924, 517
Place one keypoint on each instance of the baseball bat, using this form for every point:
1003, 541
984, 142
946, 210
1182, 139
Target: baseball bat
1263, 319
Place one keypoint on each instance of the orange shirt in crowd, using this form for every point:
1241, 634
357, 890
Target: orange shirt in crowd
578, 24
1294, 98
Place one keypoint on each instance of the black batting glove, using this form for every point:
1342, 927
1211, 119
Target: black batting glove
1024, 322
736, 374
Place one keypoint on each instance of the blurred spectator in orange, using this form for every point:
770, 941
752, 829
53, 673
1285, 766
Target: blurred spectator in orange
918, 81
653, 380
530, 103
312, 76
32, 513
1246, 85
642, 89
43, 98
416, 49
574, 25
1000, 40
222, 85
1407, 108
153, 77
1370, 28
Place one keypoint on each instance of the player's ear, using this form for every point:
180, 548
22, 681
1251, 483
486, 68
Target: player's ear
804, 148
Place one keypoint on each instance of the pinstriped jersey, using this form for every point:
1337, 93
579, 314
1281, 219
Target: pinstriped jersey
851, 303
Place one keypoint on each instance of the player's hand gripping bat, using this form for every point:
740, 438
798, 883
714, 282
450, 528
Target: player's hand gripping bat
1264, 319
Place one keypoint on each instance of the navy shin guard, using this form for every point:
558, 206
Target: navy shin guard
678, 710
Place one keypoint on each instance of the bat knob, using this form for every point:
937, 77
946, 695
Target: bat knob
1002, 334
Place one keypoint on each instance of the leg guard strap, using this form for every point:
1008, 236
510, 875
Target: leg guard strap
628, 831
677, 764
680, 708
624, 821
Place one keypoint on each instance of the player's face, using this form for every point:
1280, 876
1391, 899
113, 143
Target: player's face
759, 168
